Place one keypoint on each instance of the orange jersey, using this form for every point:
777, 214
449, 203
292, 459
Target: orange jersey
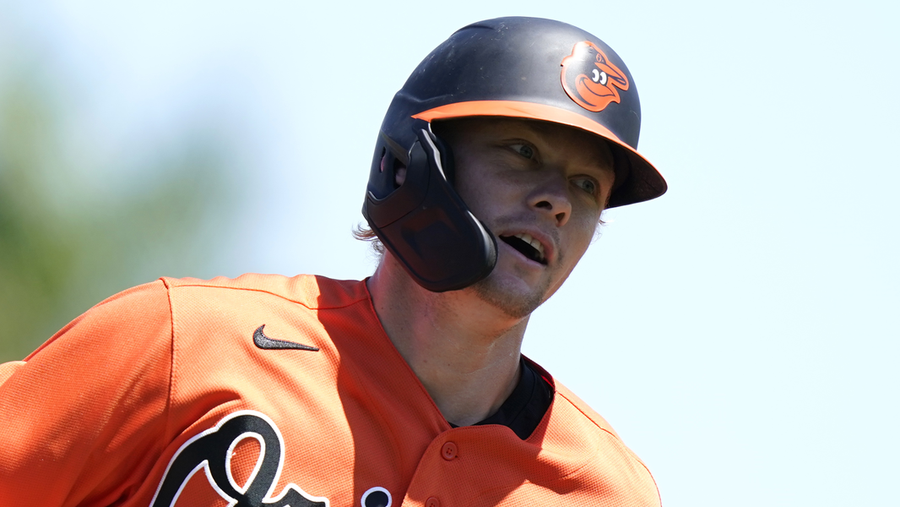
174, 394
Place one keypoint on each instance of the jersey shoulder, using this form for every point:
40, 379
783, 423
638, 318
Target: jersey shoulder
578, 406
573, 431
564, 394
311, 291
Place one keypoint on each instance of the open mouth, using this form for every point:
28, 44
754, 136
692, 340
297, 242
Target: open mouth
527, 245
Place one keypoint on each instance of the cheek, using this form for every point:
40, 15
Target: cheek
580, 237
480, 190
583, 229
585, 220
472, 197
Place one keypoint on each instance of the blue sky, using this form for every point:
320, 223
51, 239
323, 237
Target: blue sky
740, 332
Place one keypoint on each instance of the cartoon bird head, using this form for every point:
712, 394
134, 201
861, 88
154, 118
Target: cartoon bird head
590, 79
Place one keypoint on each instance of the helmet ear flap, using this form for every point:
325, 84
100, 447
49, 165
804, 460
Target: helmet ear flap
430, 154
426, 225
393, 158
449, 161
392, 166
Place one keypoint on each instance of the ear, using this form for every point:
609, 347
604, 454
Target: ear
400, 175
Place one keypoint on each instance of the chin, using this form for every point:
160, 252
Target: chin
510, 297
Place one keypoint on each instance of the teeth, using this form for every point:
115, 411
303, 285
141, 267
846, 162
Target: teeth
533, 242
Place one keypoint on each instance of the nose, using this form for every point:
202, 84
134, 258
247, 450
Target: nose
551, 197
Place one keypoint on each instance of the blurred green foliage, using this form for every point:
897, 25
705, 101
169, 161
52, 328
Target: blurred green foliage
73, 233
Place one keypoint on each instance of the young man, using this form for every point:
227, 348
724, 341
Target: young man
489, 177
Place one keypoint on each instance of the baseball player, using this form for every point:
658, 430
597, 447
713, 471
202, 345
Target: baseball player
490, 173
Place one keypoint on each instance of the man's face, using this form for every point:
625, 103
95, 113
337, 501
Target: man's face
540, 188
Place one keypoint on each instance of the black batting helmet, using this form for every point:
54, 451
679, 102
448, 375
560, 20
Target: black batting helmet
514, 67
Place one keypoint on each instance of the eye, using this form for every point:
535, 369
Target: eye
599, 76
586, 184
523, 149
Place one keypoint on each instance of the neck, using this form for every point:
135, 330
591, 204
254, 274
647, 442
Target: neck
463, 350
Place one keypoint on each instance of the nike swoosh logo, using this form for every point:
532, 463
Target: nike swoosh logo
264, 342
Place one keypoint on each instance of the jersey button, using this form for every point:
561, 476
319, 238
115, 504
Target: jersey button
448, 451
432, 502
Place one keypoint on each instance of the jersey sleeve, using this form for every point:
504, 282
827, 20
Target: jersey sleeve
84, 415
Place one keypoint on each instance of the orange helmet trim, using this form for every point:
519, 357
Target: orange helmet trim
516, 109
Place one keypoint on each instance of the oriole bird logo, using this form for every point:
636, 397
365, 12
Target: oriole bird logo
590, 79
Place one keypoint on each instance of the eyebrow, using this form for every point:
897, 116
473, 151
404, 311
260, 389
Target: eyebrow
540, 127
545, 129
